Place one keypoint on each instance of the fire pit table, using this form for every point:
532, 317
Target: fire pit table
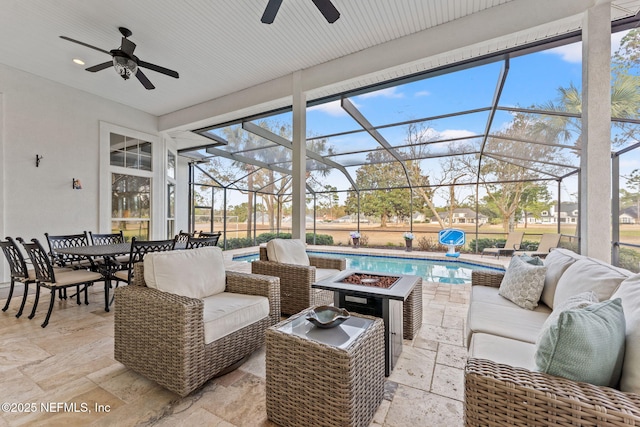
375, 294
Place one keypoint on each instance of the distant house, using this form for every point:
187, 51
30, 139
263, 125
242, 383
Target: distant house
463, 216
629, 215
529, 218
568, 214
419, 217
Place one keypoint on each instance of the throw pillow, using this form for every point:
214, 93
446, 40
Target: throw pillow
288, 251
589, 274
581, 300
585, 344
556, 262
522, 283
533, 260
629, 293
194, 273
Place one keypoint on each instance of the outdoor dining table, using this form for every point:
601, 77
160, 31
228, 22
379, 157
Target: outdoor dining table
108, 253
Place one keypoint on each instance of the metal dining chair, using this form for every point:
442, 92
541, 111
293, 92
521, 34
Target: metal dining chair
199, 242
106, 239
210, 234
182, 237
139, 248
53, 280
19, 271
69, 241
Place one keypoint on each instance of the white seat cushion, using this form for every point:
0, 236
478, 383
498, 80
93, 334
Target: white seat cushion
325, 273
629, 293
227, 312
194, 273
589, 275
509, 322
503, 350
490, 295
287, 251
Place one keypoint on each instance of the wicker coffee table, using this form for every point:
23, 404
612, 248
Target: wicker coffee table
324, 377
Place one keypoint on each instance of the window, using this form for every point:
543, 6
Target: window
130, 177
171, 165
130, 205
130, 153
171, 194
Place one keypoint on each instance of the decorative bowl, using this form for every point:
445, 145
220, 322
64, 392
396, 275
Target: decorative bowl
326, 316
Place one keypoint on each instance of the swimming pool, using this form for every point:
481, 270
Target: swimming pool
432, 270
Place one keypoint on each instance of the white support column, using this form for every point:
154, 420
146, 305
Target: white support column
595, 200
4, 271
299, 158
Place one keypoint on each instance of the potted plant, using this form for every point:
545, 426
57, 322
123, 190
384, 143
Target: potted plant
355, 238
408, 240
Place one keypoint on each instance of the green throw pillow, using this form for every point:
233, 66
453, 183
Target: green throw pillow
585, 344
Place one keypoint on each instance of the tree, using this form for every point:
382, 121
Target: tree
378, 181
625, 99
506, 179
633, 181
534, 200
275, 187
328, 200
420, 137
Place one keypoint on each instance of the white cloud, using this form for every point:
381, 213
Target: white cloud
456, 133
332, 108
390, 92
569, 53
573, 52
422, 93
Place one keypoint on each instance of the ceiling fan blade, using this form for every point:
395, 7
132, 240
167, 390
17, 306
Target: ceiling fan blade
159, 69
327, 9
270, 12
100, 67
85, 44
144, 80
127, 46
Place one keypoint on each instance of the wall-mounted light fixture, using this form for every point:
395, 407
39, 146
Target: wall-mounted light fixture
77, 185
38, 158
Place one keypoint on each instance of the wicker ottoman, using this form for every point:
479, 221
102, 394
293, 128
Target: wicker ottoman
324, 377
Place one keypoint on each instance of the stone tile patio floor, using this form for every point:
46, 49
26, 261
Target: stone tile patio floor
72, 361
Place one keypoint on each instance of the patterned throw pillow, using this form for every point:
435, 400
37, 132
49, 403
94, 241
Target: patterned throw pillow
585, 344
522, 283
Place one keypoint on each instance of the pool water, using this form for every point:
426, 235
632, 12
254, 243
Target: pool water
442, 271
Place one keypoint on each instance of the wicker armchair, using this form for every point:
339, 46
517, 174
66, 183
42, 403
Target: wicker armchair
498, 394
161, 335
296, 292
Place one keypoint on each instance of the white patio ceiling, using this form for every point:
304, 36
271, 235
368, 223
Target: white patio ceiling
220, 47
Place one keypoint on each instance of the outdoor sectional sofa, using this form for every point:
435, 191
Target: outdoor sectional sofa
503, 385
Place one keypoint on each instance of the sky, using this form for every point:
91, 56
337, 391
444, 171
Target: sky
532, 80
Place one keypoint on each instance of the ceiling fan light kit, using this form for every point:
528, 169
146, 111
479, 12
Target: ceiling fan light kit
125, 67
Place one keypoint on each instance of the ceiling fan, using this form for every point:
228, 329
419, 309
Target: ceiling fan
325, 7
125, 62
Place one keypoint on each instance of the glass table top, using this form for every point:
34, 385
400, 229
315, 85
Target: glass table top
340, 336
